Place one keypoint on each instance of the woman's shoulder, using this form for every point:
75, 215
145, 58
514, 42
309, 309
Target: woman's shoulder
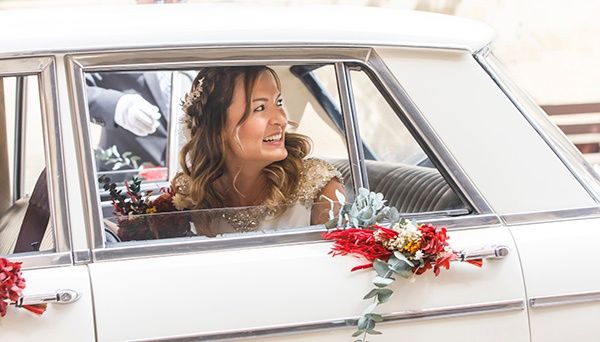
314, 176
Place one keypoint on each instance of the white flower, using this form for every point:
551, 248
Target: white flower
419, 255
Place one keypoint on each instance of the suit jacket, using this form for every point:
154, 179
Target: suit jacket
103, 92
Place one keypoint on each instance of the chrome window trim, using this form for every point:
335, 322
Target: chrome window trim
353, 140
304, 235
515, 305
564, 299
37, 260
44, 67
278, 44
550, 216
554, 138
77, 64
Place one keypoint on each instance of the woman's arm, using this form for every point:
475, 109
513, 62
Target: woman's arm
321, 206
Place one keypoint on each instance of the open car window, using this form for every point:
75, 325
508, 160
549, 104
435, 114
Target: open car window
121, 153
25, 215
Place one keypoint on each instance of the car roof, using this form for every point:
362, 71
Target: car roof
66, 29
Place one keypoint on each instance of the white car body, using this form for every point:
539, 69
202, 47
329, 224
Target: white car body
530, 189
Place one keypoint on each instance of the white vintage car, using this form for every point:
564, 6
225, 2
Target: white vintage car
409, 104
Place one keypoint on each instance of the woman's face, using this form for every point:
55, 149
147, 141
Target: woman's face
260, 139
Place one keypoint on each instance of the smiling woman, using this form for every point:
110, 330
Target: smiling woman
238, 154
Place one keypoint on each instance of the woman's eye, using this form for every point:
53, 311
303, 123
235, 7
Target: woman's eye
259, 108
280, 102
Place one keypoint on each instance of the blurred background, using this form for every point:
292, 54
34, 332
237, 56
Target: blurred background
549, 47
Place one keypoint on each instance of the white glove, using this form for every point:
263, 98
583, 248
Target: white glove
137, 115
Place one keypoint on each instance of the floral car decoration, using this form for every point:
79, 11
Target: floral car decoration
132, 211
392, 246
12, 284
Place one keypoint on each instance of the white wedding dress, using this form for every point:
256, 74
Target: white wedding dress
294, 213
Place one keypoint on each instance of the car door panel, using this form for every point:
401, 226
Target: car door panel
559, 266
213, 294
60, 322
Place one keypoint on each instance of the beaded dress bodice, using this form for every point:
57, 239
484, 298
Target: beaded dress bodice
294, 212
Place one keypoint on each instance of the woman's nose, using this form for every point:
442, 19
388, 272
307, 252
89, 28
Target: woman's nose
279, 117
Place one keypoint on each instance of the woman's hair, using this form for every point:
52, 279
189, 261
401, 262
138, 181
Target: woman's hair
202, 158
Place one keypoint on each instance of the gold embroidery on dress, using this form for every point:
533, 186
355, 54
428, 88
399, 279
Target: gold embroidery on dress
315, 174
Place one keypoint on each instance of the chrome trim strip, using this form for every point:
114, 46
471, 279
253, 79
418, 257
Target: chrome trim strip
304, 235
357, 169
565, 299
538, 119
429, 136
82, 256
347, 322
83, 146
550, 216
35, 260
197, 57
51, 121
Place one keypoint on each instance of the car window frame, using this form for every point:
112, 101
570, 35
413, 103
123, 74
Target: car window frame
190, 57
44, 69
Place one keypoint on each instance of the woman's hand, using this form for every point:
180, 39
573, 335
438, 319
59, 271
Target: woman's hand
321, 207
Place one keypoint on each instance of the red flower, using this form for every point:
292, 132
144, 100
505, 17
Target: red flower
433, 241
11, 283
359, 242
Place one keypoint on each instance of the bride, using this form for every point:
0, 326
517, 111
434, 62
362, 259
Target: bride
238, 154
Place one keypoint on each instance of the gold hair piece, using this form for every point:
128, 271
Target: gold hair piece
192, 96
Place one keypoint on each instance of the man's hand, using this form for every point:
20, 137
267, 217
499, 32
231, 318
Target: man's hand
137, 115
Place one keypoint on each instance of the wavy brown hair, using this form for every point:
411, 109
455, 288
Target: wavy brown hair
202, 158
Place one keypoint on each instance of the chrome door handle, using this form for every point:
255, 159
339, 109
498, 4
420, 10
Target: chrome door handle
59, 297
491, 252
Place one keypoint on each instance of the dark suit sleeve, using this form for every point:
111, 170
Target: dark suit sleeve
102, 102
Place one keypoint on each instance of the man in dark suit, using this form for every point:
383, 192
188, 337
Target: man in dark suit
133, 109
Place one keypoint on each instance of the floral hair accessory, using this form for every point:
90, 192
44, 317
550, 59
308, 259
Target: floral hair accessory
192, 96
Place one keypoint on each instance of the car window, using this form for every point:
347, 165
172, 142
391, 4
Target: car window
396, 164
25, 217
131, 212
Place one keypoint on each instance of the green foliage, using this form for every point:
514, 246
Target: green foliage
111, 156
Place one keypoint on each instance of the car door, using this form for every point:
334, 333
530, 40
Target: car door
527, 172
34, 226
572, 300
282, 284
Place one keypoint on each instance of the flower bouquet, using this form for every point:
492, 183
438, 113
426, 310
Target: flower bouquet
133, 210
391, 245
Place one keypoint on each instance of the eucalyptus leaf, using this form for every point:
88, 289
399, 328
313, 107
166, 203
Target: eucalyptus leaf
363, 192
362, 322
373, 332
375, 317
331, 224
402, 268
371, 294
381, 267
383, 295
358, 332
382, 282
370, 325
